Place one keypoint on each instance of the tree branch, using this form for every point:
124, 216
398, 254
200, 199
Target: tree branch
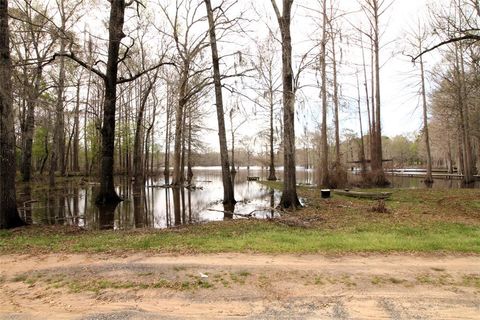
77, 60
277, 12
138, 75
452, 40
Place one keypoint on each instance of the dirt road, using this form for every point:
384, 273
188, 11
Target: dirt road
239, 286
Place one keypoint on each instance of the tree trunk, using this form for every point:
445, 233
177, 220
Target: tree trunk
138, 172
428, 176
449, 156
85, 118
76, 128
464, 112
324, 170
271, 174
461, 163
377, 160
189, 151
9, 217
362, 142
107, 194
289, 197
228, 194
336, 101
373, 144
26, 164
182, 162
177, 148
150, 134
166, 170
232, 171
58, 151
367, 100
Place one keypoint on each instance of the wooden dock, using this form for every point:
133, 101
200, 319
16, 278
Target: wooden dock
253, 178
435, 175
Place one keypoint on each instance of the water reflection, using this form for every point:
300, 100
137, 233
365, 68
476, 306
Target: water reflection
149, 204
139, 204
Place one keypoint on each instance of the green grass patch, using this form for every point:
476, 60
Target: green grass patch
257, 236
417, 221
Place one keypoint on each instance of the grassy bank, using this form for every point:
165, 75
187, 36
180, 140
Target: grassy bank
416, 221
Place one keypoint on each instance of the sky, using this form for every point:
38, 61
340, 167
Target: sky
399, 84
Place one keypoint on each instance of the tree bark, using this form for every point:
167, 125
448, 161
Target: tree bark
228, 193
9, 217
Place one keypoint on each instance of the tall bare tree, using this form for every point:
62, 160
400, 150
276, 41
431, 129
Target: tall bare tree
228, 194
417, 41
324, 163
374, 10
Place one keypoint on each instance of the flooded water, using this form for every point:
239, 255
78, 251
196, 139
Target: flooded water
417, 183
151, 205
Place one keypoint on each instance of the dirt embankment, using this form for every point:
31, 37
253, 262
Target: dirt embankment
239, 286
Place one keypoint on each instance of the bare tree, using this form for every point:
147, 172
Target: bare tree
324, 163
289, 197
228, 194
268, 87
374, 10
417, 41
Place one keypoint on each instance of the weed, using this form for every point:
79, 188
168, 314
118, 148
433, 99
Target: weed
20, 278
179, 268
319, 281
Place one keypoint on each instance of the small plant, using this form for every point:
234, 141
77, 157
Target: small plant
380, 207
319, 281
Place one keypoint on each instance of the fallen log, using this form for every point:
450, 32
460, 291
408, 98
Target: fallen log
364, 195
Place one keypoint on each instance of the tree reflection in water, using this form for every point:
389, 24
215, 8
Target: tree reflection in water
139, 212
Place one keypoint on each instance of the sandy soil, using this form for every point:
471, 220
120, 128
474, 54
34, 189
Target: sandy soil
239, 286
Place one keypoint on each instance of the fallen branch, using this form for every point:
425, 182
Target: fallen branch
248, 215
